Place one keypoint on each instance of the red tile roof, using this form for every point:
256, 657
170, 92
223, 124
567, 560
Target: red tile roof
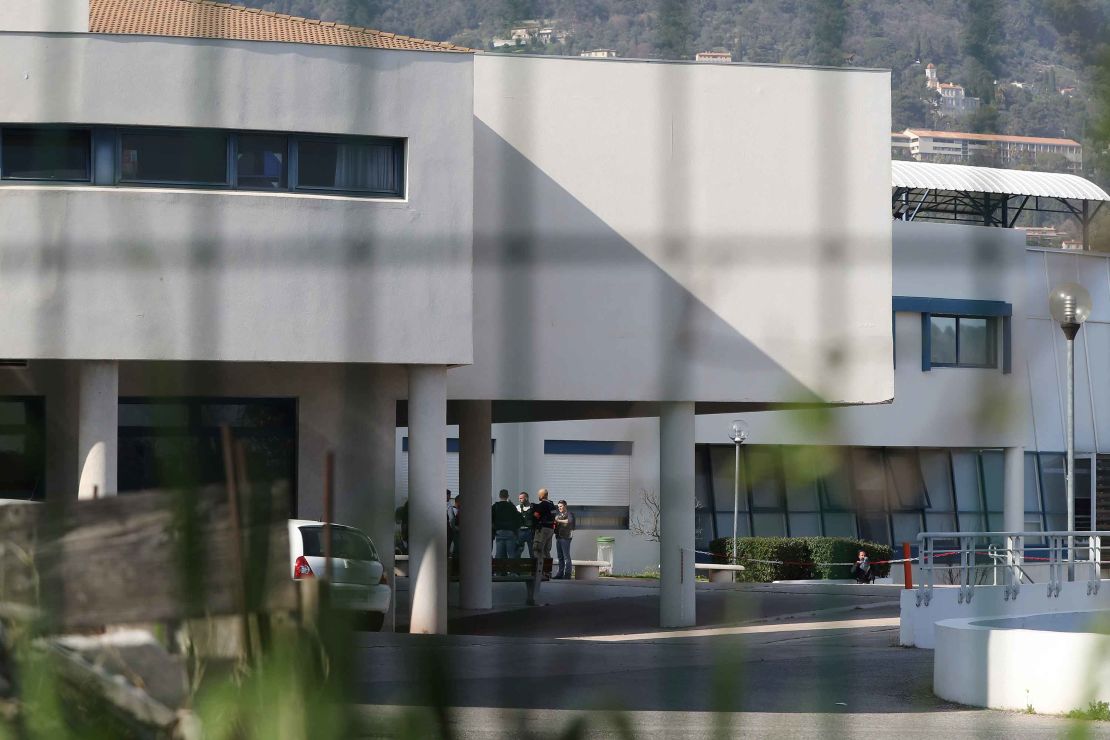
989, 137
216, 20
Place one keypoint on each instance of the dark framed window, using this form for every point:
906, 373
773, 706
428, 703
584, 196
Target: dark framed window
963, 341
173, 156
350, 165
600, 517
261, 162
22, 448
176, 443
51, 154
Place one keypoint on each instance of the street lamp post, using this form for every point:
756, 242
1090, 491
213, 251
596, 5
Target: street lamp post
1070, 305
738, 433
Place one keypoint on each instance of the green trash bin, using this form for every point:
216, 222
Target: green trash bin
605, 553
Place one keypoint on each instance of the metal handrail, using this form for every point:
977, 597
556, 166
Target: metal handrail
1061, 551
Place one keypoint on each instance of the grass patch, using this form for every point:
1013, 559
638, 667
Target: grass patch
1098, 711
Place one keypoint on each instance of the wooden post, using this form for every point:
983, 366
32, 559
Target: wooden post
329, 472
237, 538
907, 566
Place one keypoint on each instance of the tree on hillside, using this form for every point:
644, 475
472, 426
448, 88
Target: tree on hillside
829, 22
672, 31
980, 44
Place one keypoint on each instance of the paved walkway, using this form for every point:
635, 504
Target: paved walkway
763, 662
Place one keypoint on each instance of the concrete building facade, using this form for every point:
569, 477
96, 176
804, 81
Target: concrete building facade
318, 243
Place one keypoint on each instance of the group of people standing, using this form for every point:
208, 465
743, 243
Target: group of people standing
532, 527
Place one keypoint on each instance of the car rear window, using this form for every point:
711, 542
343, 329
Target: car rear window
345, 543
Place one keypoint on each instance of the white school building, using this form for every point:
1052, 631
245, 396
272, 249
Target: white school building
568, 272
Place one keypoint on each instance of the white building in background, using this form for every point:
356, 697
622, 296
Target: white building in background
599, 53
996, 149
720, 57
953, 100
316, 234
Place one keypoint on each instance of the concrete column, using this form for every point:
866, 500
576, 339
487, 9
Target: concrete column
427, 513
676, 520
97, 428
365, 460
1013, 502
476, 490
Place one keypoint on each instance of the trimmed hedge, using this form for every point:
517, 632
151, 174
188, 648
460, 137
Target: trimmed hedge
796, 554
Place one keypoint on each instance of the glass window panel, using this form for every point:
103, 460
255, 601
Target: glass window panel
837, 487
874, 527
153, 415
869, 475
723, 463
260, 161
46, 154
940, 522
336, 164
255, 415
189, 157
839, 524
13, 412
976, 341
801, 495
763, 466
769, 525
907, 484
14, 443
965, 468
802, 470
724, 525
1053, 484
995, 521
1032, 490
937, 473
971, 522
994, 471
906, 528
1057, 522
345, 543
805, 525
942, 338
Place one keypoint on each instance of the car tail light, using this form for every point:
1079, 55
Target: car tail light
301, 568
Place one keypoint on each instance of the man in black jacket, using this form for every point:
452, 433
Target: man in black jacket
543, 518
506, 524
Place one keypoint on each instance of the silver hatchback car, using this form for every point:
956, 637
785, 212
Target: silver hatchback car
359, 581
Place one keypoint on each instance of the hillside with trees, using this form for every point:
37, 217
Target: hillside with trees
1016, 56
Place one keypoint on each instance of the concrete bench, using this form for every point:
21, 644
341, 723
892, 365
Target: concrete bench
589, 570
718, 572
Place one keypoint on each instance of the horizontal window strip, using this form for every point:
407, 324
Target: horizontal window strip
452, 445
585, 447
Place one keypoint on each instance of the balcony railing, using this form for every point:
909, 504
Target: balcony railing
964, 558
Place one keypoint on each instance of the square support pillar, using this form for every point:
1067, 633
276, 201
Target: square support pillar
676, 520
427, 482
1013, 501
476, 493
97, 428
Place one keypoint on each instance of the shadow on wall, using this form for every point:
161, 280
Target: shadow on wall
567, 308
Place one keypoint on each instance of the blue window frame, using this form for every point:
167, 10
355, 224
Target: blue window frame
966, 332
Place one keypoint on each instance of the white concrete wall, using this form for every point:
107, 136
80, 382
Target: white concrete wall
1047, 664
918, 622
944, 407
669, 231
1047, 369
54, 16
133, 273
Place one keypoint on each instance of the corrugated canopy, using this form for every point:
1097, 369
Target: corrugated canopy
968, 179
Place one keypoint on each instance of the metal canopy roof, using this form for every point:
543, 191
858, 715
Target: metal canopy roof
931, 176
989, 196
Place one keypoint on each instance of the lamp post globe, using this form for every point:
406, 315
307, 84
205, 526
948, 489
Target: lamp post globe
1070, 306
738, 432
